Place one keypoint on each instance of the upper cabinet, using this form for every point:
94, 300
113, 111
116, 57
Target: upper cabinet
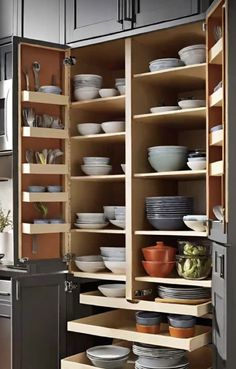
6, 18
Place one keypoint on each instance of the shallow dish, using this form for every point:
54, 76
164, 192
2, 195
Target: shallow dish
108, 364
36, 188
90, 225
197, 165
54, 188
108, 352
91, 217
198, 225
86, 129
96, 170
113, 126
116, 267
161, 109
192, 103
108, 92
112, 290
90, 266
118, 223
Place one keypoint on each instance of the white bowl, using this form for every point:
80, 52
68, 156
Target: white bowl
85, 93
195, 54
98, 160
88, 80
113, 126
108, 352
109, 212
218, 212
192, 103
112, 290
161, 109
90, 266
118, 223
96, 170
197, 165
114, 258
117, 267
110, 251
121, 89
90, 225
91, 217
89, 258
108, 92
50, 89
123, 167
89, 128
196, 225
120, 81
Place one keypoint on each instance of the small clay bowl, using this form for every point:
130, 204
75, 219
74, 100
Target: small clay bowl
181, 332
153, 329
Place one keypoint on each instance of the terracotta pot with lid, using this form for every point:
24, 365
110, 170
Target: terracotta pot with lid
159, 252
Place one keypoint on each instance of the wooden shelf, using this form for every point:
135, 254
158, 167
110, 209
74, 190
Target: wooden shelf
216, 138
177, 119
30, 228
109, 104
177, 77
44, 132
44, 168
175, 175
104, 276
175, 280
102, 137
44, 98
45, 196
80, 361
106, 178
105, 231
171, 233
216, 99
216, 53
120, 324
216, 168
95, 298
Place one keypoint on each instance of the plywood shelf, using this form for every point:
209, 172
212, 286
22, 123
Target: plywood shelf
216, 138
108, 276
102, 137
80, 361
109, 104
171, 233
178, 119
120, 324
29, 228
105, 231
95, 298
216, 99
216, 168
44, 169
175, 175
44, 196
216, 53
179, 78
177, 281
44, 98
105, 178
44, 132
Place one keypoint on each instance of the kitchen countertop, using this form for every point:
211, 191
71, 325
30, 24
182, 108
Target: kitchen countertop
11, 272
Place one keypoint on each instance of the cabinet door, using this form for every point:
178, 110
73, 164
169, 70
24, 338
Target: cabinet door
39, 321
6, 18
155, 11
44, 20
219, 299
6, 62
89, 18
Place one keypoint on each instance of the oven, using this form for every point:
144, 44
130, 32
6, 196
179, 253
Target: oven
6, 116
5, 324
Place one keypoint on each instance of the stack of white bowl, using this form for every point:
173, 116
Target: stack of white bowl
90, 263
119, 220
96, 165
194, 54
120, 85
86, 86
114, 259
167, 158
108, 357
90, 220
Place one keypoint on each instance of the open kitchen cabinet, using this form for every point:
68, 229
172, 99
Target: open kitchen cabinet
144, 89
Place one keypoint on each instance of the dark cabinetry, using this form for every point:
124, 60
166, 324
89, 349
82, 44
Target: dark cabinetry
5, 62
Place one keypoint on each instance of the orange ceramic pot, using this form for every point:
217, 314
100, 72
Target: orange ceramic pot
153, 329
159, 252
158, 268
181, 332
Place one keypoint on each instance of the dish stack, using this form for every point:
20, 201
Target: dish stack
108, 356
167, 158
86, 86
159, 259
96, 165
120, 85
165, 63
196, 294
114, 259
197, 160
155, 357
166, 212
90, 220
119, 220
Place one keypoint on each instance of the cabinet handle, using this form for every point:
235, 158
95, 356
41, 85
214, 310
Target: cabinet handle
137, 6
120, 11
17, 291
222, 266
128, 10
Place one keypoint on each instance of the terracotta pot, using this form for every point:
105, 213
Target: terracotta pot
159, 252
181, 332
153, 329
158, 268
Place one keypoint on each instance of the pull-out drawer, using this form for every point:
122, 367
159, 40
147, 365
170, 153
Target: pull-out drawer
120, 324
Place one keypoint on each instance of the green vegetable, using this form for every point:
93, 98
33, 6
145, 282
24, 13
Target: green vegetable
194, 267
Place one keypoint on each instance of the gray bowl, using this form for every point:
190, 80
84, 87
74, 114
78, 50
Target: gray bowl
148, 318
166, 162
41, 221
54, 188
167, 224
181, 321
36, 188
108, 364
161, 362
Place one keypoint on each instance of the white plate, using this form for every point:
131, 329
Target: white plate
161, 109
108, 352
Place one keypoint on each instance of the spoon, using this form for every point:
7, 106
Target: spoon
36, 70
26, 73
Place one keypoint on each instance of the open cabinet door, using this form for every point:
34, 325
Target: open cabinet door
41, 151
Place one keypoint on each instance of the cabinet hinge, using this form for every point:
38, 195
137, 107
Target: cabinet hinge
67, 258
70, 61
204, 26
70, 286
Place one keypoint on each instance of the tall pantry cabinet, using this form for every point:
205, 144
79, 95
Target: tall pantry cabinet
47, 242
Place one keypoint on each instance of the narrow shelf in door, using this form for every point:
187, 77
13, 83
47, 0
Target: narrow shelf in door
120, 324
216, 168
95, 298
114, 104
102, 137
44, 98
105, 230
181, 174
44, 168
178, 119
171, 233
216, 138
216, 52
175, 280
29, 228
103, 275
181, 77
44, 196
216, 99
39, 132
105, 178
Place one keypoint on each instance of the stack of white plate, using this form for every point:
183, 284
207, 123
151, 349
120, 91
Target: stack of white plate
165, 63
119, 220
86, 86
114, 259
108, 356
96, 165
90, 220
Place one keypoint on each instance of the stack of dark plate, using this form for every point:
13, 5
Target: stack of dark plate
184, 293
156, 357
166, 212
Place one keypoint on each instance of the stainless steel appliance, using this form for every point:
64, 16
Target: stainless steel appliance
5, 324
6, 144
